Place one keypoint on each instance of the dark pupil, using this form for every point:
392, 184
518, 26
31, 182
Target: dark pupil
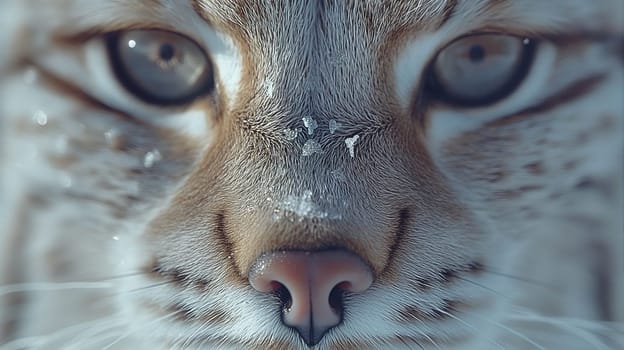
476, 53
166, 52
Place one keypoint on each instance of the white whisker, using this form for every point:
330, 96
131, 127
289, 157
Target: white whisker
52, 286
146, 287
185, 343
579, 328
491, 290
129, 333
468, 326
40, 340
537, 283
424, 334
94, 335
526, 314
408, 345
511, 331
425, 304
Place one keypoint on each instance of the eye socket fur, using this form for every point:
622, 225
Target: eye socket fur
480, 69
160, 67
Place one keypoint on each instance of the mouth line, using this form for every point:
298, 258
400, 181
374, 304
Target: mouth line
399, 233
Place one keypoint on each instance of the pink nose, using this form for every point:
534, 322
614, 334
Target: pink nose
311, 285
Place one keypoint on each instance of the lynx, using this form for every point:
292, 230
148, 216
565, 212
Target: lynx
238, 174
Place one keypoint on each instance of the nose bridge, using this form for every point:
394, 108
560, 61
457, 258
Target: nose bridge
309, 141
320, 63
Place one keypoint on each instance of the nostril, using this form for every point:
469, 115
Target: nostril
283, 295
336, 299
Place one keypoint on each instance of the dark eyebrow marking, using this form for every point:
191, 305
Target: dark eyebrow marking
448, 12
200, 12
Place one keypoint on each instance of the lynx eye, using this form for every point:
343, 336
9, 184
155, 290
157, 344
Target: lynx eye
160, 67
480, 69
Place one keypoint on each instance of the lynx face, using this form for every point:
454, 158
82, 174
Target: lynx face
374, 174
